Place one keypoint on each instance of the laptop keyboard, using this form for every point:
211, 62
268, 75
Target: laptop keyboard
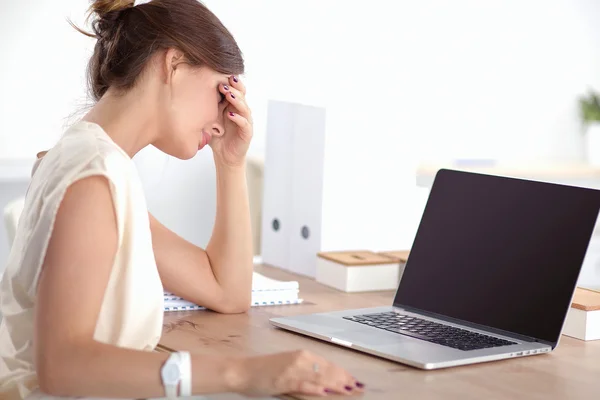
433, 332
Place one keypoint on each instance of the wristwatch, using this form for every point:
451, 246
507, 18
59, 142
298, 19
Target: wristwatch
176, 373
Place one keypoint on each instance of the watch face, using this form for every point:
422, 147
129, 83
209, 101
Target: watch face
171, 373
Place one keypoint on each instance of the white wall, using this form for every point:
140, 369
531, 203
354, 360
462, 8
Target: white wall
402, 81
41, 73
406, 81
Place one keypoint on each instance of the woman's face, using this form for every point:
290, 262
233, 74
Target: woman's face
194, 110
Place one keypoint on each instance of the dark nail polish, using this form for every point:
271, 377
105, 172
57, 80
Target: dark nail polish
329, 391
225, 87
360, 385
232, 114
234, 79
232, 95
348, 388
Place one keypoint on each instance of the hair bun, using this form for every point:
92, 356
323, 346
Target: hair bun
106, 15
104, 7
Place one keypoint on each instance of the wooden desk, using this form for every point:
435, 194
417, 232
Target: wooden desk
570, 372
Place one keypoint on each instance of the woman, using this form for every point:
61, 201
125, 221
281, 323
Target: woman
82, 293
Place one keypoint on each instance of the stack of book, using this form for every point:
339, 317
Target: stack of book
265, 292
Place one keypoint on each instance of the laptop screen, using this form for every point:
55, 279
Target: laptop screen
500, 252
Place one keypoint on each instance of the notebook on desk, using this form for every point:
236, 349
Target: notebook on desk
265, 292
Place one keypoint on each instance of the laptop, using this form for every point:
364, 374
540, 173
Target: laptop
490, 276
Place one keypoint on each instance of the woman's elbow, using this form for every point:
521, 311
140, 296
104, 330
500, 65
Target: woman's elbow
56, 370
51, 377
236, 309
234, 306
243, 307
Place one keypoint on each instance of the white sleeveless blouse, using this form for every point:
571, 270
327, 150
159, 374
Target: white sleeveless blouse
132, 309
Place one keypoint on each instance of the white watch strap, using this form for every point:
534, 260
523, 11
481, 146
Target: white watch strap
171, 392
185, 388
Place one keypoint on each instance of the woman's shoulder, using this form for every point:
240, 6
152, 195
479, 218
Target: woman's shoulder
88, 140
83, 150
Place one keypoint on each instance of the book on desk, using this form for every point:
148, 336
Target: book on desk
265, 292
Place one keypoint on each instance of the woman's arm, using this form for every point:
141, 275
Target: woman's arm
219, 277
230, 246
75, 273
188, 271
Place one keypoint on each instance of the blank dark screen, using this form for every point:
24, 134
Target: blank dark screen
499, 252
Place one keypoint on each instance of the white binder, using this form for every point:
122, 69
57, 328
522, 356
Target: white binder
277, 186
307, 189
293, 187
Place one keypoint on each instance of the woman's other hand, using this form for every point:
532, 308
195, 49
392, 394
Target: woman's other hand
230, 148
298, 372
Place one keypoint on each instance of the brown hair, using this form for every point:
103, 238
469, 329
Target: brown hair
129, 35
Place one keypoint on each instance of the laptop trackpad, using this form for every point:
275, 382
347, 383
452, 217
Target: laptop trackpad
371, 336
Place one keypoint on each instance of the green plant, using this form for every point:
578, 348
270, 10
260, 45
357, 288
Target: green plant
589, 107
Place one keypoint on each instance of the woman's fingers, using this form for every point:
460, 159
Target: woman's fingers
339, 380
237, 83
331, 378
313, 389
245, 127
237, 100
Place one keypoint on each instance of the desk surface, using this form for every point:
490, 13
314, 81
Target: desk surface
572, 371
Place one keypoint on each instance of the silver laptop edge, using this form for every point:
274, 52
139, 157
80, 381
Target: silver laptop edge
400, 348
